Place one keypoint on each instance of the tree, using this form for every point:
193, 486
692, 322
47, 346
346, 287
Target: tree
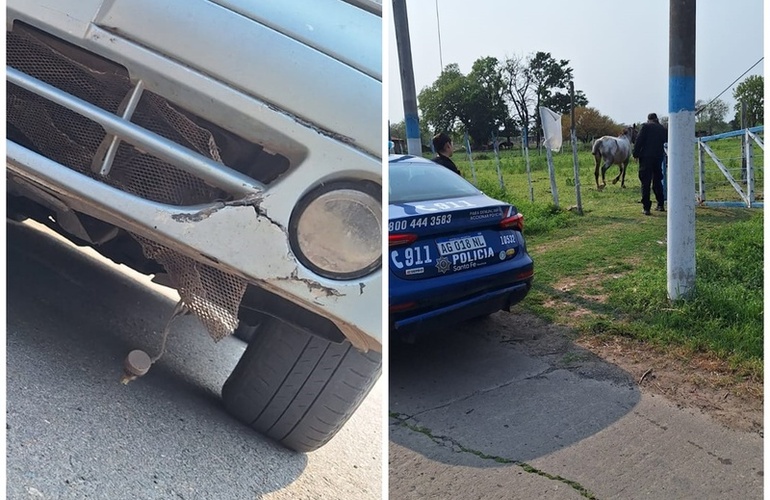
518, 88
440, 104
551, 79
475, 100
485, 111
560, 101
590, 124
480, 101
710, 116
539, 80
751, 92
398, 131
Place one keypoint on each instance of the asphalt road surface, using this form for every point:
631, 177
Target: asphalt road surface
73, 431
509, 408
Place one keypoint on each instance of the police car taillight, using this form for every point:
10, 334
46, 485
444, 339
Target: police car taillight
515, 222
395, 240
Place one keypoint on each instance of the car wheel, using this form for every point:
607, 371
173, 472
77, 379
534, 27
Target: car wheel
245, 332
298, 388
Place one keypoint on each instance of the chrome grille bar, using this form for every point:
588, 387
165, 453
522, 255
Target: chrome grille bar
113, 141
214, 173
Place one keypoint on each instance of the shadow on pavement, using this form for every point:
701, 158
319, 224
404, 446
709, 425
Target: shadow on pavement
74, 431
507, 389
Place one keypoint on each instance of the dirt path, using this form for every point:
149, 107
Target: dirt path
698, 382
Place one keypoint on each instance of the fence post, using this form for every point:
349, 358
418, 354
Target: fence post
701, 174
525, 151
497, 161
470, 158
573, 140
749, 153
744, 126
552, 175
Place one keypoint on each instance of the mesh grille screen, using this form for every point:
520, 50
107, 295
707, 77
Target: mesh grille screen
78, 143
212, 295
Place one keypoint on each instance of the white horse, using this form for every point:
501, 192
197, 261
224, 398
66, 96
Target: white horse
613, 151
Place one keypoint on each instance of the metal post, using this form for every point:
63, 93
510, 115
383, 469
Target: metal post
701, 174
497, 162
411, 119
525, 151
470, 158
552, 175
744, 126
573, 140
749, 154
680, 268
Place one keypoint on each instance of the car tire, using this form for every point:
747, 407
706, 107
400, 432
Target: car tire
245, 332
298, 388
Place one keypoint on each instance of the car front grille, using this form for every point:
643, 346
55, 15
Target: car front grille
81, 144
76, 142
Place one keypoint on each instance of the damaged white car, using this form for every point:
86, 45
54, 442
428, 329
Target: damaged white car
232, 149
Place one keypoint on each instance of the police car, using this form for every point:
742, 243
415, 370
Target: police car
454, 253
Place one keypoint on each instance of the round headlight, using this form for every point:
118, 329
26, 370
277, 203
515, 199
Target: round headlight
336, 231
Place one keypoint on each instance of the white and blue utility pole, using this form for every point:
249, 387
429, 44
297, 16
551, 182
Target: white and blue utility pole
404, 47
680, 268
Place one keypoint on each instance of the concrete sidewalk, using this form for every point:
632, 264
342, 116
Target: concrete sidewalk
474, 418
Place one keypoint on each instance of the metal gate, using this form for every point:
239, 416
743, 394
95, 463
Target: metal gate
735, 160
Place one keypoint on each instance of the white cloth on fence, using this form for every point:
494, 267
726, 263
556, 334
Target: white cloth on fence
551, 121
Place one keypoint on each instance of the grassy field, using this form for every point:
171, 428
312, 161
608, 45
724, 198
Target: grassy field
604, 272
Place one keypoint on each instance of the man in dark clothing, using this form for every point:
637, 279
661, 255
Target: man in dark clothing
442, 144
648, 149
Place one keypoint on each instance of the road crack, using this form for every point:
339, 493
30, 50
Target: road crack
480, 392
541, 374
449, 442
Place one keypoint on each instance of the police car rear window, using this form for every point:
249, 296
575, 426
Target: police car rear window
420, 181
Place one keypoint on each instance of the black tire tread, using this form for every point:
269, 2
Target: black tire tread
297, 388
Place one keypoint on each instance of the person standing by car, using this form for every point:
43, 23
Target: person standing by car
442, 144
648, 149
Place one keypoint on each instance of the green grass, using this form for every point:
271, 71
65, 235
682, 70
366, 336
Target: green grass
514, 170
610, 262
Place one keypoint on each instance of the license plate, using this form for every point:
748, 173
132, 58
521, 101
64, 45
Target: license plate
457, 245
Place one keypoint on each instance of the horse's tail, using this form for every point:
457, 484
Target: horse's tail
595, 147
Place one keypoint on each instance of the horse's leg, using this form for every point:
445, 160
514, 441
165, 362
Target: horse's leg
623, 167
616, 179
596, 171
621, 172
606, 165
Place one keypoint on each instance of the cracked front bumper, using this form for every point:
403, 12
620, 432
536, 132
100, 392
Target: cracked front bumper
324, 129
234, 237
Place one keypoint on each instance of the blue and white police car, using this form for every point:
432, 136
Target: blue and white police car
454, 253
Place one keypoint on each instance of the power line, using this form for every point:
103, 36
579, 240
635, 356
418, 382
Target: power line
438, 28
729, 86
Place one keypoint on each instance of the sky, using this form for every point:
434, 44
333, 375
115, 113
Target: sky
618, 50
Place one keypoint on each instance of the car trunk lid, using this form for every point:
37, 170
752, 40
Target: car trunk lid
435, 238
